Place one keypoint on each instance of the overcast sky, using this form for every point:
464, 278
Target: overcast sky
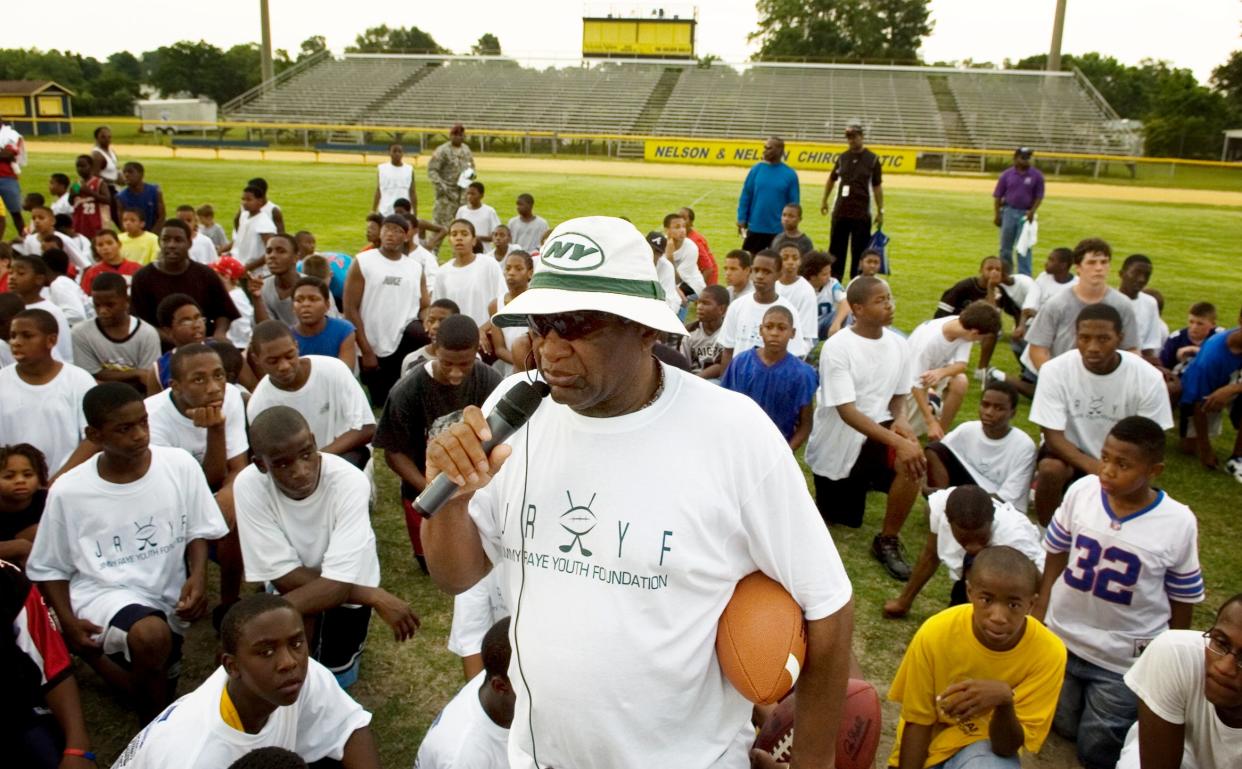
1198, 34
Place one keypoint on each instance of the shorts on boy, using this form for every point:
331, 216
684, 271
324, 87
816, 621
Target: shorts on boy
979, 755
844, 501
1186, 421
340, 637
958, 474
1045, 452
1096, 708
915, 415
114, 641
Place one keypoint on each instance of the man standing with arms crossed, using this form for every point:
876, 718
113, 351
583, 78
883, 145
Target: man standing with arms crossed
618, 583
444, 171
1018, 193
769, 187
860, 174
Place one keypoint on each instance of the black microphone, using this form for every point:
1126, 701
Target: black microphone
510, 413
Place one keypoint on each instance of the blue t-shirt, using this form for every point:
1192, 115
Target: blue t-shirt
146, 201
1168, 353
326, 342
164, 369
780, 390
768, 189
1211, 369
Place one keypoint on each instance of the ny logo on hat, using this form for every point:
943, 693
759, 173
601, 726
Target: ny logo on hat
573, 252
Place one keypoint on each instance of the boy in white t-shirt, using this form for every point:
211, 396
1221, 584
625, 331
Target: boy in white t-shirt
745, 314
42, 397
1081, 395
28, 276
394, 181
323, 388
473, 729
683, 253
816, 268
939, 349
305, 527
1192, 700
989, 452
482, 216
122, 550
864, 381
202, 249
203, 414
1135, 274
798, 290
961, 522
267, 693
1122, 566
468, 280
254, 227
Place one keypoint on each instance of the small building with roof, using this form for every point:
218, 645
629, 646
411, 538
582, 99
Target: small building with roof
23, 100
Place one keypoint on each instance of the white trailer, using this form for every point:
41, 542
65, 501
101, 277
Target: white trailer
161, 115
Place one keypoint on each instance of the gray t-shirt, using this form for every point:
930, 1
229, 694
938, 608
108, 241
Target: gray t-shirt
280, 309
94, 351
1055, 325
527, 235
803, 242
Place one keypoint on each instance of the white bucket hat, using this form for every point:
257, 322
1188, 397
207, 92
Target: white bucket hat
599, 263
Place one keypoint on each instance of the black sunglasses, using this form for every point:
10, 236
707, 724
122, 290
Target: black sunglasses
572, 325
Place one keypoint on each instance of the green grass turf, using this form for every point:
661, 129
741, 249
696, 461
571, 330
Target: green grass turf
937, 238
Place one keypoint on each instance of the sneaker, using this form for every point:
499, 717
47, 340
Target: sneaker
933, 401
889, 552
1234, 468
995, 374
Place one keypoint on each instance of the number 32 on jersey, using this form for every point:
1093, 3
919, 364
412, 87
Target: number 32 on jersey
1108, 573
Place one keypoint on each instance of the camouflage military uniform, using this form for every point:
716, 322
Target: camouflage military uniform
443, 170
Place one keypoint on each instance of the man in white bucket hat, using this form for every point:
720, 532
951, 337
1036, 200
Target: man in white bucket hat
617, 548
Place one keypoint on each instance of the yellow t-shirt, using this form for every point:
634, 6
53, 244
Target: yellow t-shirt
945, 651
142, 249
228, 711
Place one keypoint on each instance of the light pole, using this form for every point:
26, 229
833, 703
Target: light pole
265, 49
1058, 26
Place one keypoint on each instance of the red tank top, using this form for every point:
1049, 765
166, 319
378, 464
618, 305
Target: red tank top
87, 215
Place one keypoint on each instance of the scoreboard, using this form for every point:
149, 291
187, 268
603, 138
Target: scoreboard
654, 38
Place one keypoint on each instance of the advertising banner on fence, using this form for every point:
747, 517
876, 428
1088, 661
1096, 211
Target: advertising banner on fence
808, 157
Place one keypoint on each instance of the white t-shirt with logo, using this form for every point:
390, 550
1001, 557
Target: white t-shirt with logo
463, 736
1009, 527
473, 286
632, 550
394, 183
858, 370
484, 218
47, 416
190, 734
330, 530
1169, 679
169, 427
740, 331
1113, 597
391, 299
930, 350
120, 544
802, 296
1003, 467
1086, 406
332, 401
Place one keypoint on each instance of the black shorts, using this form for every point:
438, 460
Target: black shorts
1045, 452
340, 637
844, 501
958, 474
118, 629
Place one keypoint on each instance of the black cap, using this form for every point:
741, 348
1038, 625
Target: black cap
1024, 152
657, 241
398, 220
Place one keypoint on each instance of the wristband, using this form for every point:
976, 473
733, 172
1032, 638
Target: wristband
88, 755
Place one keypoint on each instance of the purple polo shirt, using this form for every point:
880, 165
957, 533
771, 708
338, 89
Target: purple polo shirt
1020, 190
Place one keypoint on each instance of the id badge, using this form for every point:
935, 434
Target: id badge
845, 190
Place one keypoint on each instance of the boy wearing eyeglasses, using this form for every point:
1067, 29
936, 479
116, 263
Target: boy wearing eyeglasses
426, 401
1122, 567
1189, 686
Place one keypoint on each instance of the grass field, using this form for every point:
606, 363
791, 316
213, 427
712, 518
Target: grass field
937, 238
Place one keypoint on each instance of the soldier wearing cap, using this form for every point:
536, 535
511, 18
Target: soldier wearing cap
619, 551
449, 161
1018, 193
858, 169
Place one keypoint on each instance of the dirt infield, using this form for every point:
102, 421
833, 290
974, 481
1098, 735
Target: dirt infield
981, 185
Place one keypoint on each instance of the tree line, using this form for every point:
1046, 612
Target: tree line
1181, 116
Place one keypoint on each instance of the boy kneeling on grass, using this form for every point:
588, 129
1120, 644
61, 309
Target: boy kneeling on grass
979, 682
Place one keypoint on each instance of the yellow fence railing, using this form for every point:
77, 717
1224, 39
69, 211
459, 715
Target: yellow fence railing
897, 150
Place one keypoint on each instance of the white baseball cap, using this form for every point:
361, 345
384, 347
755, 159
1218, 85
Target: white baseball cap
599, 263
